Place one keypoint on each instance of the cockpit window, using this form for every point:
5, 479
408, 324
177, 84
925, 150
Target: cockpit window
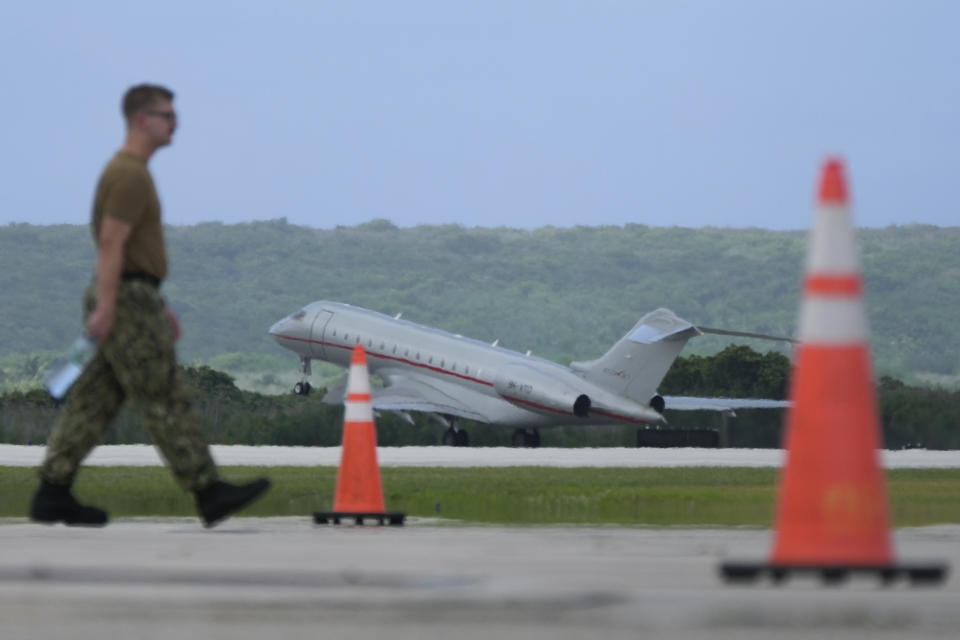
299, 314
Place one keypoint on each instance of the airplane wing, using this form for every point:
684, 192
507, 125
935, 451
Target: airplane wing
687, 403
416, 395
408, 393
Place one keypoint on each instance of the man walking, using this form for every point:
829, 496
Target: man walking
135, 333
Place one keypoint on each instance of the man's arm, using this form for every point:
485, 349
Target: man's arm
113, 239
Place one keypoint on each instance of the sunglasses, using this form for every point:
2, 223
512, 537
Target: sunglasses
170, 116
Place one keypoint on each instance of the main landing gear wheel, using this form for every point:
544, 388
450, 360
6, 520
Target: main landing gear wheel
528, 438
456, 438
302, 388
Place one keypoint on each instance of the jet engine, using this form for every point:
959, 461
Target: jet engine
657, 403
534, 390
623, 409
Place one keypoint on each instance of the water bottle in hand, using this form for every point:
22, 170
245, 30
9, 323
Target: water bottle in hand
66, 370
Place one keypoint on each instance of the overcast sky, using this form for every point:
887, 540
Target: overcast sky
490, 113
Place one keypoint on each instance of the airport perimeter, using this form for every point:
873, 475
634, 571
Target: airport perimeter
289, 578
270, 456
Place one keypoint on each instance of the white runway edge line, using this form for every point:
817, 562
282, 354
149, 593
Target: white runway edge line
237, 455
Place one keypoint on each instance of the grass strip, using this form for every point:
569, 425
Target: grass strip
687, 496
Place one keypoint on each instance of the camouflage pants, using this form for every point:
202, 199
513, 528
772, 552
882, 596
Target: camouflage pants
138, 362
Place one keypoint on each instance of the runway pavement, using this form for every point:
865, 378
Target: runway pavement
146, 455
283, 578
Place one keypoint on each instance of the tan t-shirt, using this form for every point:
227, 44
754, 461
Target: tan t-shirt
126, 192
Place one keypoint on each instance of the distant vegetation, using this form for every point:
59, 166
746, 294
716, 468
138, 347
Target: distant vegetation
911, 416
564, 293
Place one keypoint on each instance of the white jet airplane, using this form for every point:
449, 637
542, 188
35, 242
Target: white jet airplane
449, 376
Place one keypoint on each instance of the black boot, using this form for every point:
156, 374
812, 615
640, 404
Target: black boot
54, 503
221, 499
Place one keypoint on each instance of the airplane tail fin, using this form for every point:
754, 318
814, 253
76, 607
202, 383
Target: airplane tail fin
636, 364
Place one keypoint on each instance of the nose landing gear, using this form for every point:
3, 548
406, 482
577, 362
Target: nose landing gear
303, 387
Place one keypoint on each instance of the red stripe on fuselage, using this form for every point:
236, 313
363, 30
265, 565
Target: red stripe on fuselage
537, 406
373, 354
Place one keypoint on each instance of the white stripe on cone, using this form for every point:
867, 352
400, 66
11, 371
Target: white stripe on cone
833, 247
358, 383
358, 411
833, 252
832, 320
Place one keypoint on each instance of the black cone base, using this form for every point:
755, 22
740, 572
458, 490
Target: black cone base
833, 574
335, 517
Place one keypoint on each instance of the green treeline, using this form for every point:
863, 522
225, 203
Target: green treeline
567, 294
911, 416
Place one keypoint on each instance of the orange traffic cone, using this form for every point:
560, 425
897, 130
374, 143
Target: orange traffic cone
359, 493
832, 514
832, 505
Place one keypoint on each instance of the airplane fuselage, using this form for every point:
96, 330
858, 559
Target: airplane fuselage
479, 380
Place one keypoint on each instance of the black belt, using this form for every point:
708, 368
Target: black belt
143, 276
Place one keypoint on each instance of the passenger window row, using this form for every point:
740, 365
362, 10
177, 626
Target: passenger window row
395, 349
